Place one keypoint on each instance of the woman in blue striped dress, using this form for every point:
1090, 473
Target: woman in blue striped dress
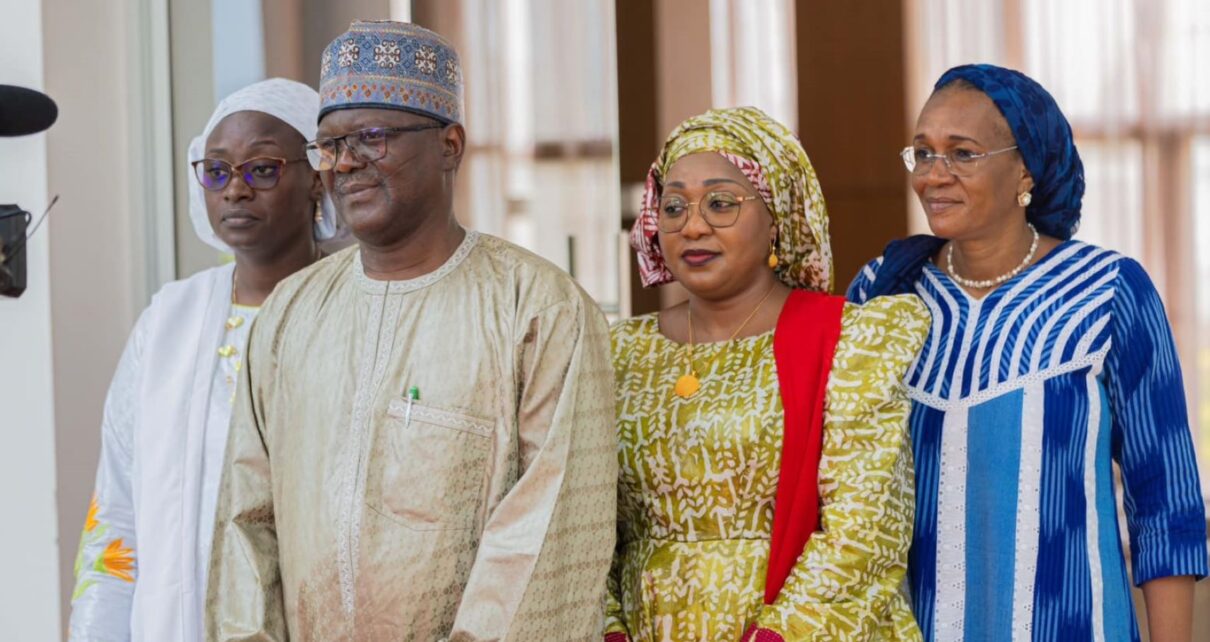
1048, 359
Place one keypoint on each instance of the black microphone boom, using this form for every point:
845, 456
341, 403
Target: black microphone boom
25, 111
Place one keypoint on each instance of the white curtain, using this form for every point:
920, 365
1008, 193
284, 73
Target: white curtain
541, 103
752, 56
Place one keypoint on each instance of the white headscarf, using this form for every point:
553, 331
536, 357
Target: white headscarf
293, 103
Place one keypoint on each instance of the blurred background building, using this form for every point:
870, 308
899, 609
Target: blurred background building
567, 103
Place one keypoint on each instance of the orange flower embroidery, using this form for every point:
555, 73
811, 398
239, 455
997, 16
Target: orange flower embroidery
90, 520
117, 561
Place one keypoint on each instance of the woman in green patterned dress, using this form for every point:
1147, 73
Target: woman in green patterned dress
765, 471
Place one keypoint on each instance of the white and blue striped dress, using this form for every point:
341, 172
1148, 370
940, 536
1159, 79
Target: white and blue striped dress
1021, 400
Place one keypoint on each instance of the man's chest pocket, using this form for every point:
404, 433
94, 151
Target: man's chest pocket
435, 467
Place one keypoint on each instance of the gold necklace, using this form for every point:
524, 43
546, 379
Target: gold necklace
234, 321
688, 384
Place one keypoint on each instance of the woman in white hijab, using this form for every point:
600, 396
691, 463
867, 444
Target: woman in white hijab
141, 567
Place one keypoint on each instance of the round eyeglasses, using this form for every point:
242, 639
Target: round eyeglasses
368, 145
261, 172
959, 162
718, 209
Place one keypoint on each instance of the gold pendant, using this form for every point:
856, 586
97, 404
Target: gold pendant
234, 321
687, 385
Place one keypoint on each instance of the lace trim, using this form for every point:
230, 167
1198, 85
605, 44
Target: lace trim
1094, 359
398, 408
352, 453
374, 286
950, 607
379, 341
1029, 510
1092, 519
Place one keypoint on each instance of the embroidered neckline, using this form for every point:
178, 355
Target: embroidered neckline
375, 286
1094, 360
1047, 282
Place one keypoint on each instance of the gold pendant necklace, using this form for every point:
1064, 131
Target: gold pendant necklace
688, 384
234, 321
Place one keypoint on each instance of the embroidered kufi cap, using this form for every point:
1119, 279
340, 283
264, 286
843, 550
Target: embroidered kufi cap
391, 65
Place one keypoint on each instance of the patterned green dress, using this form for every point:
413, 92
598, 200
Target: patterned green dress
698, 480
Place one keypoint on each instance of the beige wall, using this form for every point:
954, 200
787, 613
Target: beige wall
323, 21
284, 54
29, 604
296, 31
192, 104
88, 279
96, 238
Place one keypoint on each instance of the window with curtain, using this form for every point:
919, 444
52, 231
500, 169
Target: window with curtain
752, 57
1126, 73
541, 120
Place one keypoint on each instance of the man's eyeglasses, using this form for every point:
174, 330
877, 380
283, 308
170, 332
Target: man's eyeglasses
367, 145
261, 172
718, 209
960, 162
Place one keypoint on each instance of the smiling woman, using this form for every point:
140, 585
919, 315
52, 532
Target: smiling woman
1048, 361
973, 194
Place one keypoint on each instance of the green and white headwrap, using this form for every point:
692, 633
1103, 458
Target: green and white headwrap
773, 160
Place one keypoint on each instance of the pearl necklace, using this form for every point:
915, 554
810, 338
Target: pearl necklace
983, 285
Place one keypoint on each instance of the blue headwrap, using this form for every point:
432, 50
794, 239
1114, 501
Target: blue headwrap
1044, 139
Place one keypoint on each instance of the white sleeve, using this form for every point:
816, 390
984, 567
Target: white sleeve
105, 567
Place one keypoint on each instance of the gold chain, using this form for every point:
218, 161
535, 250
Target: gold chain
689, 313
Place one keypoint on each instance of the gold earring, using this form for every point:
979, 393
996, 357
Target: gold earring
1024, 199
319, 212
773, 254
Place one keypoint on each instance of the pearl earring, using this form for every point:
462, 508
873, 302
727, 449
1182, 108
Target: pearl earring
1024, 199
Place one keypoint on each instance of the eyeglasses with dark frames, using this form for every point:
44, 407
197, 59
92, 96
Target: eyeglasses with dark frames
367, 145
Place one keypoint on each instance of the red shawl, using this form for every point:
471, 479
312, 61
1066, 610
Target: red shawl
803, 346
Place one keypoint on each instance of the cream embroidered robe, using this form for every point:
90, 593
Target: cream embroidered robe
483, 510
